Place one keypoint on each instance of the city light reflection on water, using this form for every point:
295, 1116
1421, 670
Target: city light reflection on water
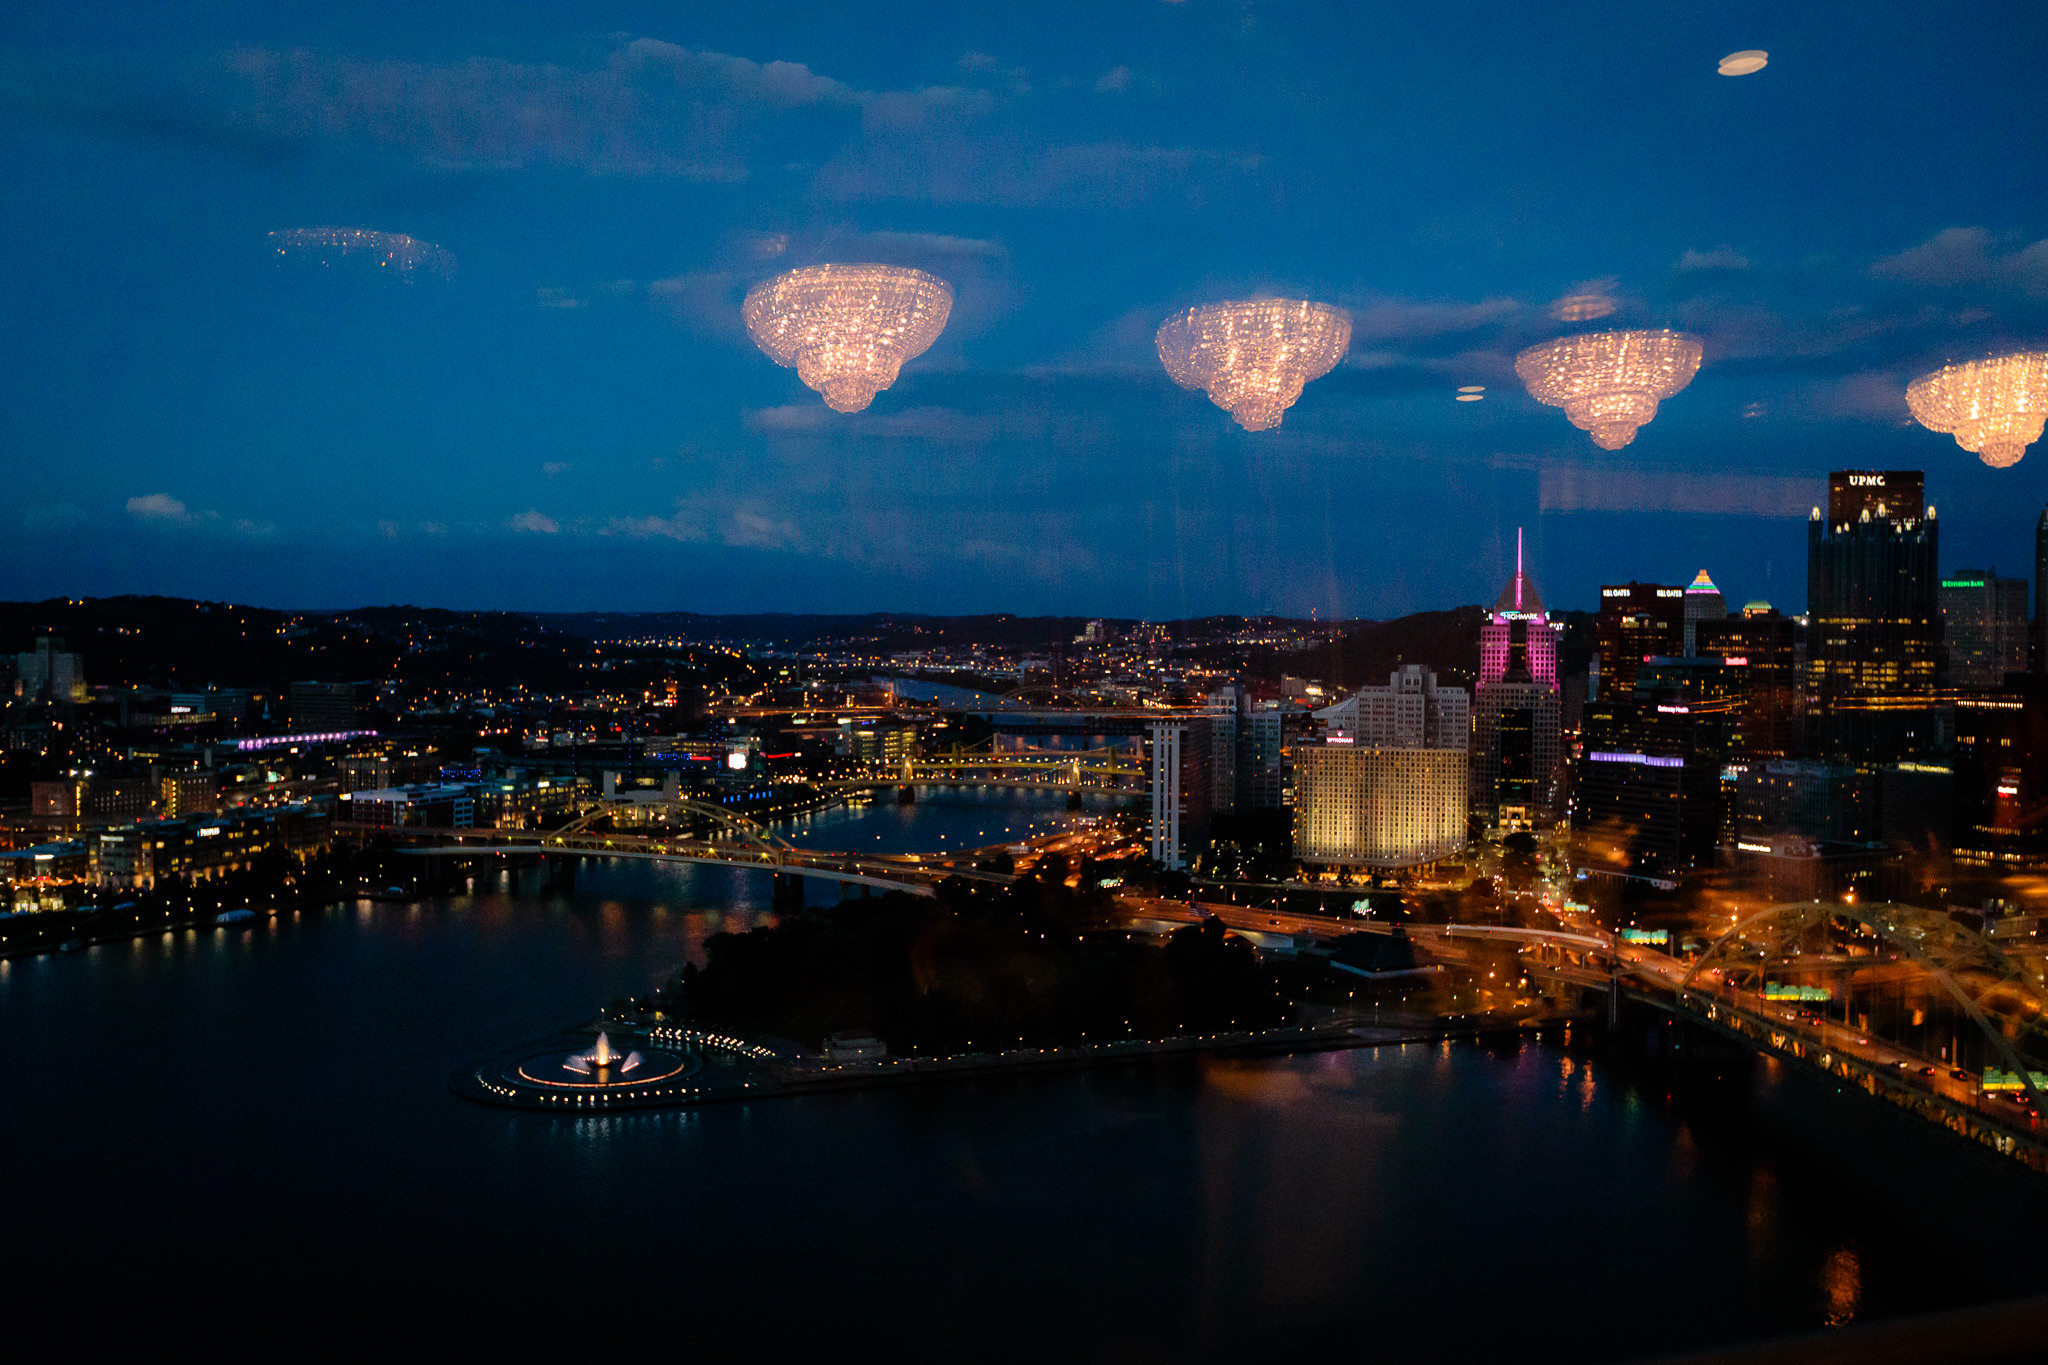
1400, 1195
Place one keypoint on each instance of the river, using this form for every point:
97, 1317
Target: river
244, 1136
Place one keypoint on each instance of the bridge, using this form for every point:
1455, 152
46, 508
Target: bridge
1902, 1002
1107, 769
735, 842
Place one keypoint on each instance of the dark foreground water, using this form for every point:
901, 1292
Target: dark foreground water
244, 1138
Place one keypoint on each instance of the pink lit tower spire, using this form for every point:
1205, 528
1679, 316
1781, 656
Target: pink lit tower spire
1517, 635
1517, 769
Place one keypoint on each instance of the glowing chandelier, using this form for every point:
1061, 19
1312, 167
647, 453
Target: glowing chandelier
1609, 383
848, 328
1252, 357
1995, 407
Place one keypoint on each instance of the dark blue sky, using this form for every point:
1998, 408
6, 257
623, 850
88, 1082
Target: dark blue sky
577, 420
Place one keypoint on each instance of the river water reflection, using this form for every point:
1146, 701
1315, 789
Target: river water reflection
246, 1134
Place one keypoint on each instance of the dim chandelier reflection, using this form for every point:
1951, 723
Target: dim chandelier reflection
393, 252
1253, 356
1994, 407
848, 328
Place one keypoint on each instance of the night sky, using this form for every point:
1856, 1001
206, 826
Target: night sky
577, 419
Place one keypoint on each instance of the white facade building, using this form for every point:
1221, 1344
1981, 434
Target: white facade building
1410, 712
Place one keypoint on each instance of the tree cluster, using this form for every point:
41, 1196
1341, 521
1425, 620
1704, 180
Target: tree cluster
979, 968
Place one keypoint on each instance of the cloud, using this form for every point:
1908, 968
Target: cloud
799, 419
1969, 255
928, 245
646, 108
706, 299
538, 522
708, 516
1600, 486
1720, 258
961, 154
651, 108
158, 507
63, 516
1876, 396
1114, 81
683, 526
944, 425
389, 529
554, 467
751, 528
161, 509
983, 65
1408, 320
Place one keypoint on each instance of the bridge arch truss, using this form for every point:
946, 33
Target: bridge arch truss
1948, 952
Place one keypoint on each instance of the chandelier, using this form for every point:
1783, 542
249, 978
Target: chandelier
1581, 307
1253, 356
1609, 383
394, 252
847, 328
1995, 407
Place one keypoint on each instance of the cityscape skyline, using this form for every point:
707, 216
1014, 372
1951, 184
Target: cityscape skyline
1151, 657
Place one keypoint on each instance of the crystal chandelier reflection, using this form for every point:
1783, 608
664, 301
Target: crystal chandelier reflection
1609, 383
1253, 356
1995, 407
848, 328
1581, 307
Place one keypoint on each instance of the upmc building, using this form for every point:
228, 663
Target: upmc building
1874, 643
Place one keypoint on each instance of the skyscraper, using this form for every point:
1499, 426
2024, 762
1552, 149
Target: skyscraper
49, 672
2039, 654
1874, 644
2001, 773
1517, 711
1703, 602
1179, 753
1360, 805
1984, 625
1410, 712
1637, 621
1765, 643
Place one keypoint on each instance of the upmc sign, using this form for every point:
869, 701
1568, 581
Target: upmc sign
1893, 493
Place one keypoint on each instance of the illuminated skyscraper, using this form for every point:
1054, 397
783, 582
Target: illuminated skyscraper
1637, 621
1766, 644
1517, 711
1875, 640
1410, 712
1984, 625
2038, 659
1703, 602
1360, 805
49, 672
1178, 754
